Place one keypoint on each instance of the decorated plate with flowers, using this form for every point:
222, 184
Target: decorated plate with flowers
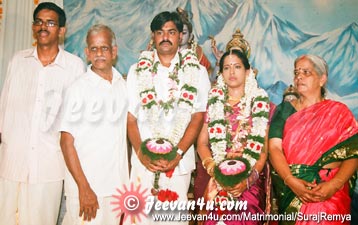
230, 172
158, 148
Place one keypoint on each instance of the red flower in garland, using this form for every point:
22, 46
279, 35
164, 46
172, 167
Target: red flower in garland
223, 193
167, 195
221, 197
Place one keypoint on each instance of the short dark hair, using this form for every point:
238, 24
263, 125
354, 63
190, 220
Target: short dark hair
239, 54
163, 17
52, 6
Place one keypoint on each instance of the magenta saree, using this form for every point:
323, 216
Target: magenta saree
255, 196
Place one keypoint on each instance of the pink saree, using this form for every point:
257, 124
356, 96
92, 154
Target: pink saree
321, 134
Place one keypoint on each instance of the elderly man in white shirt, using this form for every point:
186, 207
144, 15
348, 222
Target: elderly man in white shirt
93, 135
31, 162
168, 92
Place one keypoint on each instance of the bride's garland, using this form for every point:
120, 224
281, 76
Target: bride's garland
255, 102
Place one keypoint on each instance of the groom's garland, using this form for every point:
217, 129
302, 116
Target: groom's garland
162, 145
187, 70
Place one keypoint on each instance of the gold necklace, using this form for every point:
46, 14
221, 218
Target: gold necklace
234, 99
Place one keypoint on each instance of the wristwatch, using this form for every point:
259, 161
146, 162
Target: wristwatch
180, 152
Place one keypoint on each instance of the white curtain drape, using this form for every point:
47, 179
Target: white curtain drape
16, 33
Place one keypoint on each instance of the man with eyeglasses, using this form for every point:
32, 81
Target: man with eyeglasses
31, 162
93, 136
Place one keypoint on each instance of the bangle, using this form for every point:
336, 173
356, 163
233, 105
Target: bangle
206, 160
286, 178
210, 168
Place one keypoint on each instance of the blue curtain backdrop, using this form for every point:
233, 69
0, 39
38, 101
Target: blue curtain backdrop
278, 31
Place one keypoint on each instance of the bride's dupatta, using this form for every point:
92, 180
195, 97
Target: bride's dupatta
316, 136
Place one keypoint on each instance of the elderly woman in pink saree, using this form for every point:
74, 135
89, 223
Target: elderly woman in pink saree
234, 134
313, 148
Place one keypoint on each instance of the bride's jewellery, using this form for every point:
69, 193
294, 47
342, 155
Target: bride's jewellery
254, 103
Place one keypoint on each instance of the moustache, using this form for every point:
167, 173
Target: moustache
100, 58
43, 31
164, 42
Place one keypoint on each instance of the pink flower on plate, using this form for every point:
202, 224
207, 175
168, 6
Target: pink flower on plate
159, 146
232, 167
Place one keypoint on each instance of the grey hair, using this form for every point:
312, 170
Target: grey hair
319, 64
97, 28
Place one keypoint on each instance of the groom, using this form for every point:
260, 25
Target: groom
168, 93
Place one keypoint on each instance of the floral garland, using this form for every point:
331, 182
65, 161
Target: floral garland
255, 102
187, 71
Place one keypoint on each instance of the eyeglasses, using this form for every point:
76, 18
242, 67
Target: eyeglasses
48, 23
304, 72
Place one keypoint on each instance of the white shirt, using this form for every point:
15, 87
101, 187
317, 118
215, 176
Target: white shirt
161, 81
30, 101
95, 114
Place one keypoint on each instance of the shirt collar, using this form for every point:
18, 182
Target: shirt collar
95, 78
174, 60
59, 60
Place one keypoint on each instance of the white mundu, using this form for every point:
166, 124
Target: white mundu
31, 161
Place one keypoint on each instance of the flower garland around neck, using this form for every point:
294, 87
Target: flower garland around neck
254, 103
162, 144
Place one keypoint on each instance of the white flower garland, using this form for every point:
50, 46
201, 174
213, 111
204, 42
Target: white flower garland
255, 102
187, 70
